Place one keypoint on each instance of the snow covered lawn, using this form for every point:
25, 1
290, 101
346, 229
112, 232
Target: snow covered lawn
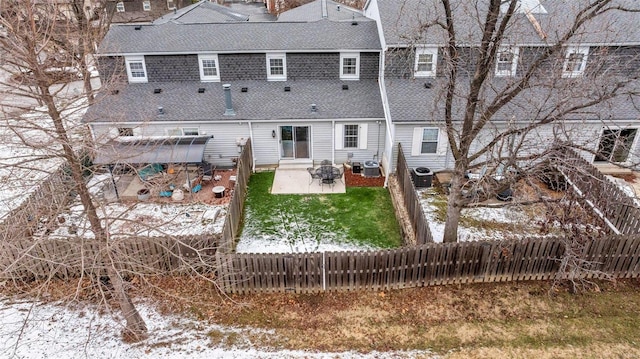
480, 223
50, 330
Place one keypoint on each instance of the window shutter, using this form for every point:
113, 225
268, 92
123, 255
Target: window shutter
339, 136
416, 145
443, 142
113, 132
363, 136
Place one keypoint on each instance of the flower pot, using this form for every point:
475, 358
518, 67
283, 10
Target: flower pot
144, 194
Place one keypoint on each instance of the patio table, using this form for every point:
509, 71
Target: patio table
328, 173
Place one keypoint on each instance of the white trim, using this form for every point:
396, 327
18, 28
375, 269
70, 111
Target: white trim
110, 123
515, 53
180, 131
234, 52
209, 78
275, 56
146, 5
350, 55
135, 59
363, 130
339, 136
433, 51
171, 7
570, 50
120, 6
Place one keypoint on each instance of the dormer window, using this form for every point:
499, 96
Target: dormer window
120, 6
209, 68
136, 70
146, 5
349, 66
507, 61
277, 67
575, 61
426, 62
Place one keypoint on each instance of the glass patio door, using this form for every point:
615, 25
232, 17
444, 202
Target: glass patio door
294, 142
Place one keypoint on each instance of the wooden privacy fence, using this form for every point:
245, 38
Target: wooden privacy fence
412, 202
424, 265
74, 257
618, 208
236, 205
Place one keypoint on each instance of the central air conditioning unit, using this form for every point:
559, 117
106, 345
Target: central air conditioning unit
371, 169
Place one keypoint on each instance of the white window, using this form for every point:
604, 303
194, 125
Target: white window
171, 5
426, 62
184, 131
276, 67
125, 131
209, 67
428, 141
575, 61
146, 5
351, 136
349, 66
507, 61
136, 69
120, 7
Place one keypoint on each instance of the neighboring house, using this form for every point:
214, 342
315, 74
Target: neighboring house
303, 91
134, 11
414, 78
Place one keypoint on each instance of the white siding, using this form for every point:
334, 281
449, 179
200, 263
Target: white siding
371, 137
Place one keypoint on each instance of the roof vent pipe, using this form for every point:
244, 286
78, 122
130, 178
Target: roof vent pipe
160, 110
228, 111
314, 107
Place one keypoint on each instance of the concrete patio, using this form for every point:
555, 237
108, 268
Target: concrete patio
298, 181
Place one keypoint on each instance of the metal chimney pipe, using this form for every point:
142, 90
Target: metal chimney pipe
228, 111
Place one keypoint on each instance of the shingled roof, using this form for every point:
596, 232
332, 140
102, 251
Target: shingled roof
240, 37
202, 12
263, 100
313, 11
401, 23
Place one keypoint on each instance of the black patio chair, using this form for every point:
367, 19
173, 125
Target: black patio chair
314, 175
325, 163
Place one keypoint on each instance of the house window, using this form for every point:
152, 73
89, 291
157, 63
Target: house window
276, 67
120, 7
350, 136
184, 131
125, 131
426, 62
136, 69
209, 67
507, 61
190, 131
349, 66
429, 143
615, 145
146, 5
575, 61
171, 5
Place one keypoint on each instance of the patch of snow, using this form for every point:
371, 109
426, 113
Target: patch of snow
144, 219
37, 330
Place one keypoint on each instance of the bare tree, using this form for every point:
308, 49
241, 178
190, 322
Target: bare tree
47, 49
472, 97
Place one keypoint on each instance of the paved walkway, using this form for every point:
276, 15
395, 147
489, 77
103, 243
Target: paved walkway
297, 181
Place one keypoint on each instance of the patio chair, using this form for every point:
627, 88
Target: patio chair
314, 175
325, 163
340, 174
206, 171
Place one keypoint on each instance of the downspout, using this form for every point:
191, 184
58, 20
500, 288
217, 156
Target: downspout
253, 148
387, 118
333, 141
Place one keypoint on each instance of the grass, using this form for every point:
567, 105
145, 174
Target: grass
500, 320
363, 216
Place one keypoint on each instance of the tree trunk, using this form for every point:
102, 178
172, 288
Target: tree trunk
454, 203
135, 327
